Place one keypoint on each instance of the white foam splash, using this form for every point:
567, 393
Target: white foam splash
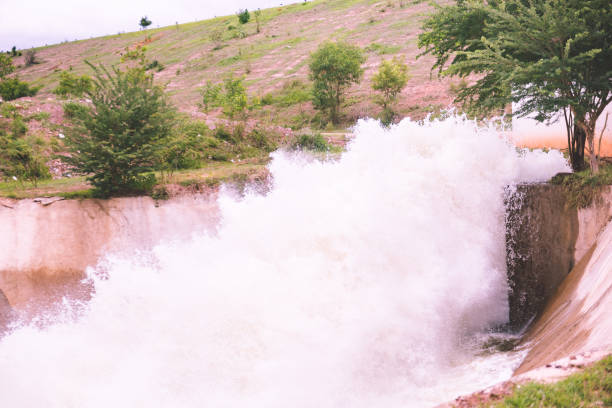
359, 282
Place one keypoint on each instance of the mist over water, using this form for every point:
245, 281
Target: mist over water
365, 281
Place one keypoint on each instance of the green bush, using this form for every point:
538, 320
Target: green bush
117, 144
155, 65
73, 110
244, 16
13, 88
210, 95
71, 84
21, 157
314, 142
6, 65
185, 149
261, 140
267, 99
231, 96
222, 133
294, 92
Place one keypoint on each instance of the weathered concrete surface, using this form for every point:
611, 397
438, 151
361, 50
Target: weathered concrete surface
578, 319
541, 235
544, 240
6, 312
46, 245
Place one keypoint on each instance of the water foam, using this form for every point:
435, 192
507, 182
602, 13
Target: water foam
357, 282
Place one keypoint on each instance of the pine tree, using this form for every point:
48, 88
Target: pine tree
115, 142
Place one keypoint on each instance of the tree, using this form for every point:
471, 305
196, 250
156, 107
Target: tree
116, 144
235, 100
334, 66
548, 56
257, 14
6, 65
210, 95
243, 16
390, 79
144, 23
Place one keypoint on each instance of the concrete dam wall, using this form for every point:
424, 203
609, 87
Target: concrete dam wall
545, 238
560, 276
46, 244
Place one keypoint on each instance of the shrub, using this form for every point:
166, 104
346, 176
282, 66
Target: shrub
314, 142
210, 95
117, 144
267, 99
260, 139
21, 157
216, 36
6, 65
185, 148
155, 65
71, 84
13, 88
294, 92
78, 111
238, 33
244, 16
222, 133
30, 58
390, 79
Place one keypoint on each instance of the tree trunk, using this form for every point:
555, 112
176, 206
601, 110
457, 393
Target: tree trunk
577, 149
593, 162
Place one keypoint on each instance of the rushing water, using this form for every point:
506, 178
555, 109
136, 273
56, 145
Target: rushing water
367, 281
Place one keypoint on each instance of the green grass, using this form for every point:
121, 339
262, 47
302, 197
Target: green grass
14, 189
590, 388
77, 187
383, 49
583, 187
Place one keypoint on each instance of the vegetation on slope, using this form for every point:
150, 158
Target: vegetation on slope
590, 388
239, 82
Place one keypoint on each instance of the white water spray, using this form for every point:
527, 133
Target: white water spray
361, 282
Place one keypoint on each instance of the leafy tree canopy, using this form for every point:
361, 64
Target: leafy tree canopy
545, 55
334, 66
244, 16
144, 22
390, 79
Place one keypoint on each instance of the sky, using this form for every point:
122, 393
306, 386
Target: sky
33, 23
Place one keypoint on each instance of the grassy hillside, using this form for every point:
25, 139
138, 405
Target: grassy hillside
270, 60
274, 62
